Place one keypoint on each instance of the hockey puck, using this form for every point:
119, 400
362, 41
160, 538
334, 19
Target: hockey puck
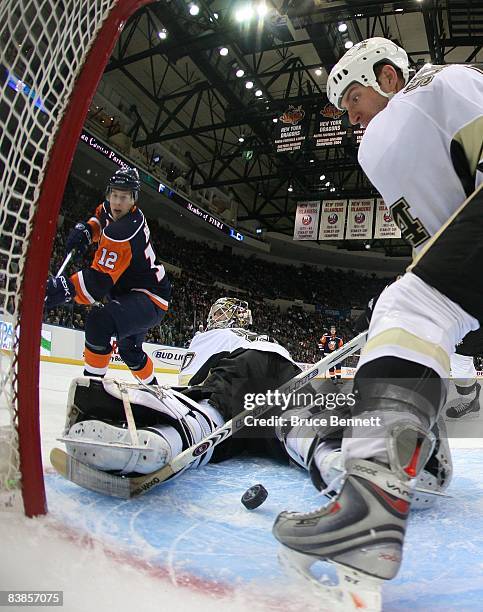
254, 496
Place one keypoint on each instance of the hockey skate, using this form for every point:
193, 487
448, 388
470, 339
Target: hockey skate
464, 409
362, 528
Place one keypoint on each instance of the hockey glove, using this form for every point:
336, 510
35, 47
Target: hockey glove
60, 290
79, 238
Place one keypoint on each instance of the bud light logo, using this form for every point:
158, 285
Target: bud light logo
333, 218
306, 220
360, 218
171, 357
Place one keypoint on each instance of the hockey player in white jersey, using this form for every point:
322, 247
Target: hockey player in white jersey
422, 150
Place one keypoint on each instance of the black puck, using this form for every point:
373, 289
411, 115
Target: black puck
254, 496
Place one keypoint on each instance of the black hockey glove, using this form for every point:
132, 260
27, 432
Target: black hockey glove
60, 290
79, 238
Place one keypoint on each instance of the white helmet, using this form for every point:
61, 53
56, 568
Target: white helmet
357, 66
229, 312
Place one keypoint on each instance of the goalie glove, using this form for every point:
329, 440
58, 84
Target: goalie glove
60, 290
79, 238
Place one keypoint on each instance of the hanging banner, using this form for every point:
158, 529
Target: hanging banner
330, 126
385, 226
291, 129
359, 219
306, 220
332, 219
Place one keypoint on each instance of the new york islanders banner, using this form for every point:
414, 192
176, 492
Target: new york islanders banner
359, 219
332, 219
306, 220
385, 226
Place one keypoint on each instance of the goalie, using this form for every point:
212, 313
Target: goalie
221, 365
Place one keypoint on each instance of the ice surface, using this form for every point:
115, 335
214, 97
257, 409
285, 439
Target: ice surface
190, 543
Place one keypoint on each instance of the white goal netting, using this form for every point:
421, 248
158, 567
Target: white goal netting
44, 45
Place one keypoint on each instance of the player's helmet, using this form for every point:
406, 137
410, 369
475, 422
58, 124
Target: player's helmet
357, 65
126, 179
229, 312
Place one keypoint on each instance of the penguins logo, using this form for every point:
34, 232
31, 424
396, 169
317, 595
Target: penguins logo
293, 115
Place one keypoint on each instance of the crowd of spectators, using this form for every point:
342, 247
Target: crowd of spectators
256, 281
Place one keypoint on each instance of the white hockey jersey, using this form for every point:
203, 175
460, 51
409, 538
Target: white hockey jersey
210, 345
424, 151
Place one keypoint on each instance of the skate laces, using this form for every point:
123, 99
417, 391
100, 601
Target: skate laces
462, 406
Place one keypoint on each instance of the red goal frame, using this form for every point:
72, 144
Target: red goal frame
39, 252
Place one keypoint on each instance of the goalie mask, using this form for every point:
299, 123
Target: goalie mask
229, 312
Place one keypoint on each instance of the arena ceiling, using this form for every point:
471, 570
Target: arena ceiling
181, 90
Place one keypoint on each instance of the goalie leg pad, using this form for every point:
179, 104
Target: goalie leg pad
160, 410
159, 447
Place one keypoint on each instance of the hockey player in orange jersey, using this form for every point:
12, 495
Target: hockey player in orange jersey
124, 271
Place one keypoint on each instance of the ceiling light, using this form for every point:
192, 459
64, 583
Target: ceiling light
215, 15
342, 27
321, 177
244, 13
311, 161
348, 44
359, 15
262, 9
249, 84
327, 184
239, 73
332, 189
399, 10
241, 139
290, 188
194, 9
259, 93
223, 51
275, 120
318, 71
163, 34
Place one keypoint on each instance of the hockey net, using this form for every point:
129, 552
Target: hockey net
52, 55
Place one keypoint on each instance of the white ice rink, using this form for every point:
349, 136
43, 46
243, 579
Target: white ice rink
95, 550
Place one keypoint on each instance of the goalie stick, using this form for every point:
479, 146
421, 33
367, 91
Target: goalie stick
127, 487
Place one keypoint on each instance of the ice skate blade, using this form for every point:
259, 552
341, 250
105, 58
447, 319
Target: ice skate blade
100, 443
354, 590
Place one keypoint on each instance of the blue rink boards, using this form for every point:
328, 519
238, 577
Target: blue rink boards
196, 526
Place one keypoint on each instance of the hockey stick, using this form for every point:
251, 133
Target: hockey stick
68, 257
127, 487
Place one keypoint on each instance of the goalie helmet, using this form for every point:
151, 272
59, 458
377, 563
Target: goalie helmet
229, 312
126, 179
357, 66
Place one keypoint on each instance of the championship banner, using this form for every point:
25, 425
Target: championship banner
385, 226
306, 220
330, 126
332, 219
359, 219
291, 129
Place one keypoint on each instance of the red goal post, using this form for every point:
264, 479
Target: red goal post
52, 55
